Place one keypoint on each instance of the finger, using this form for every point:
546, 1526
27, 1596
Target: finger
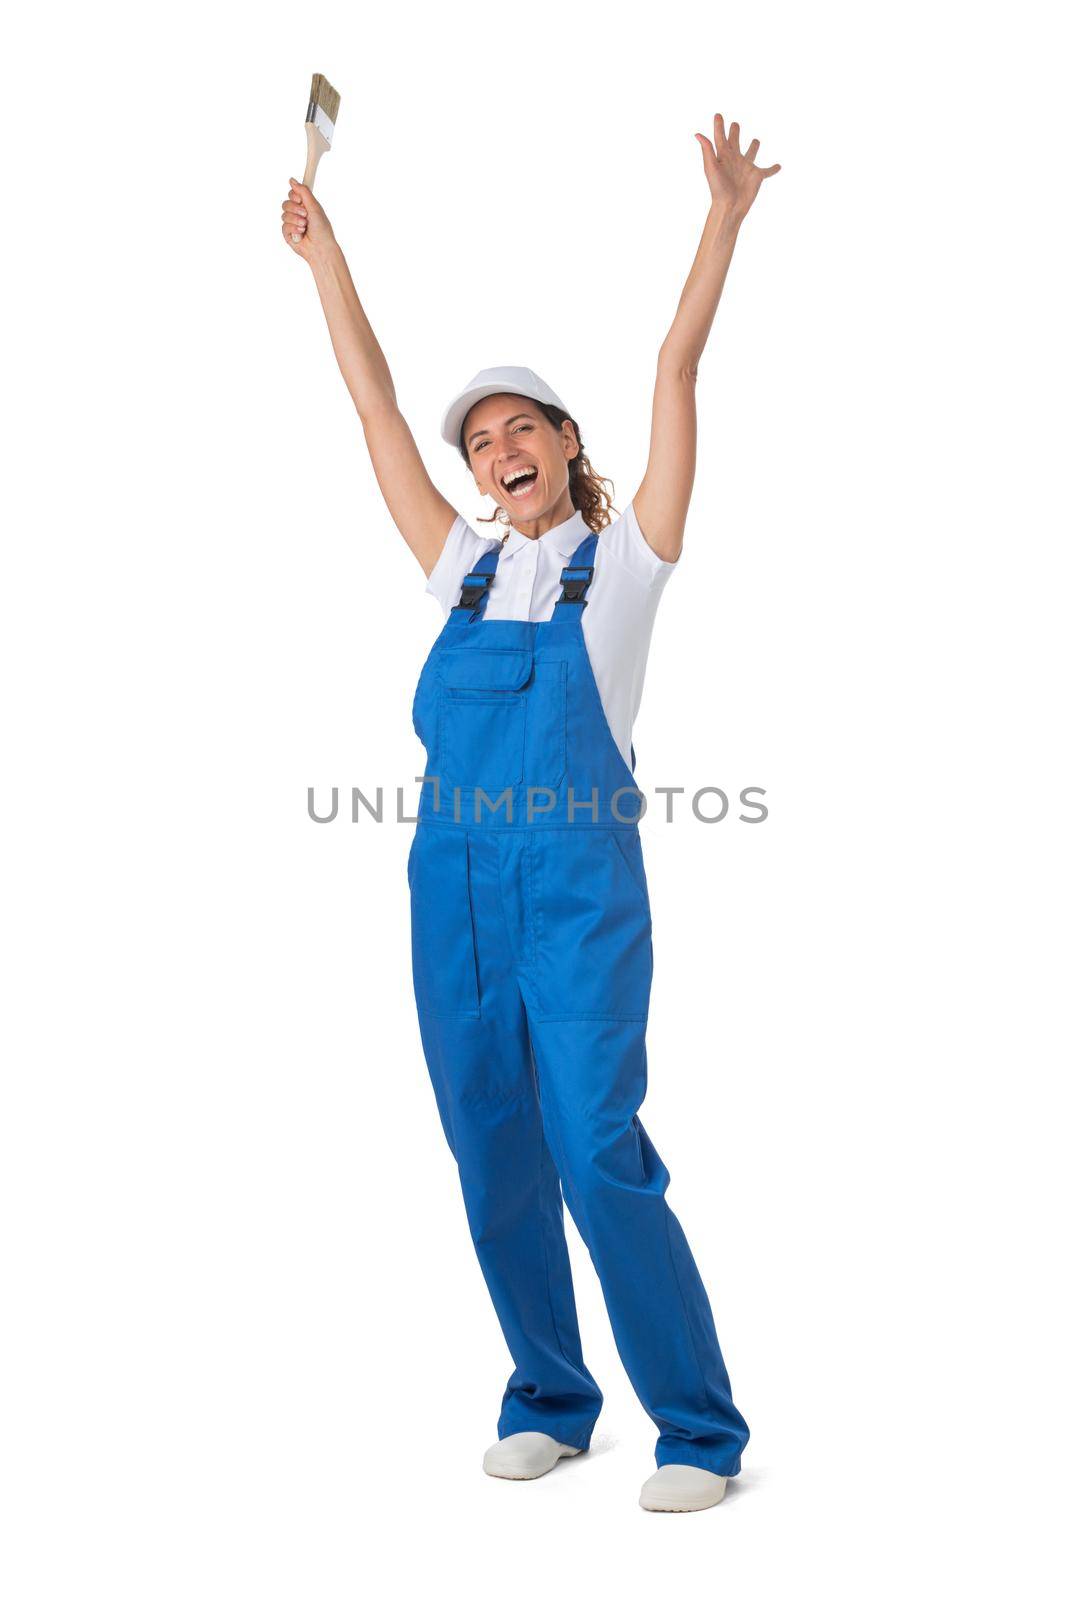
735, 135
291, 210
751, 151
768, 172
302, 193
720, 133
707, 149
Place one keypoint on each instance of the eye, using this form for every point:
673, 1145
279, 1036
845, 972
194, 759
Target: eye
522, 428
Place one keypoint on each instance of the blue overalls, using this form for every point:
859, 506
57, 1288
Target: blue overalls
532, 957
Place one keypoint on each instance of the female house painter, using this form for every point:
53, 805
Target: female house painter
531, 932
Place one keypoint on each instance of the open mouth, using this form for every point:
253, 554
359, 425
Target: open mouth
519, 485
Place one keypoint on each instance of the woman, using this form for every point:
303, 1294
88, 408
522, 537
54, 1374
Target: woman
531, 935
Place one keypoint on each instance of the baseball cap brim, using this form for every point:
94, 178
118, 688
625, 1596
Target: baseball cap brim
495, 380
452, 425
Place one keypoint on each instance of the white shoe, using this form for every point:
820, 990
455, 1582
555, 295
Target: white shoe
681, 1488
525, 1455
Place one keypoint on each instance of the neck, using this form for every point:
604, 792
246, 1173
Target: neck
562, 511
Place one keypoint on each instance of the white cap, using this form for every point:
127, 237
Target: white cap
494, 380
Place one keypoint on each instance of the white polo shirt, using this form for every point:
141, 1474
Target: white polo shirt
621, 601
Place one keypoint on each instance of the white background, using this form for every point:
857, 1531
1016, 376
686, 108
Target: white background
248, 1350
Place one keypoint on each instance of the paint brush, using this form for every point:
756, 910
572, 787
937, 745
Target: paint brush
319, 123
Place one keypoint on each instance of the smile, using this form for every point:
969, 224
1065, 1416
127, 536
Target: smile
520, 482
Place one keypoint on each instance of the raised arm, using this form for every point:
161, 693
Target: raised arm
416, 505
662, 501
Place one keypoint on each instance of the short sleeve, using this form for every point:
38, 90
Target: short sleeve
461, 549
632, 551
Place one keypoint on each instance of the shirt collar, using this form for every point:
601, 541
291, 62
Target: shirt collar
563, 540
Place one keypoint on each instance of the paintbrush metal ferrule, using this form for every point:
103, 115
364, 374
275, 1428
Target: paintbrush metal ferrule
317, 116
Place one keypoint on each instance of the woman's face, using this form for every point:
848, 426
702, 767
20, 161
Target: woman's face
506, 434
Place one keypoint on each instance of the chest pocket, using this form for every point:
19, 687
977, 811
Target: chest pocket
501, 719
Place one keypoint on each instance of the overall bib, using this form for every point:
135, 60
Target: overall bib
532, 959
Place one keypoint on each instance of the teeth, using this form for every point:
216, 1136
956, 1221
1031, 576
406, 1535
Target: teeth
509, 478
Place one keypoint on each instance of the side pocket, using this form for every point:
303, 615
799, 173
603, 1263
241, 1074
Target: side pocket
629, 847
593, 930
442, 925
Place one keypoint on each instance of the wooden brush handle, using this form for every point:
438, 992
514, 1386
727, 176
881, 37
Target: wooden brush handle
317, 148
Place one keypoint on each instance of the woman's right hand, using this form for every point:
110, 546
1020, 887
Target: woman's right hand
305, 225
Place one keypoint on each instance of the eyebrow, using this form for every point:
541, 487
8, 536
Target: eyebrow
515, 418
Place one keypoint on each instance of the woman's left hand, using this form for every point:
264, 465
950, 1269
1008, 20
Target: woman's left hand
733, 178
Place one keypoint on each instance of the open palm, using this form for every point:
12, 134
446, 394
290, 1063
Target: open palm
734, 179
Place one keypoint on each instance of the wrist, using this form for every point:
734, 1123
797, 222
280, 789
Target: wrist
325, 258
727, 214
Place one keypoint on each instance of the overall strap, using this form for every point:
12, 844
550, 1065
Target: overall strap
575, 578
475, 589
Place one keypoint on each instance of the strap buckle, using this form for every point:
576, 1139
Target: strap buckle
575, 581
475, 585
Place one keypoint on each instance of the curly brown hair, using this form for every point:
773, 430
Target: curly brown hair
587, 487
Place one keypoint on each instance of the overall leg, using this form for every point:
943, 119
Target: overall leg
592, 1082
476, 1041
587, 995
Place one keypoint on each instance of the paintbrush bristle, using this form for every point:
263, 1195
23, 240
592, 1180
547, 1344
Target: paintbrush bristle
323, 94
